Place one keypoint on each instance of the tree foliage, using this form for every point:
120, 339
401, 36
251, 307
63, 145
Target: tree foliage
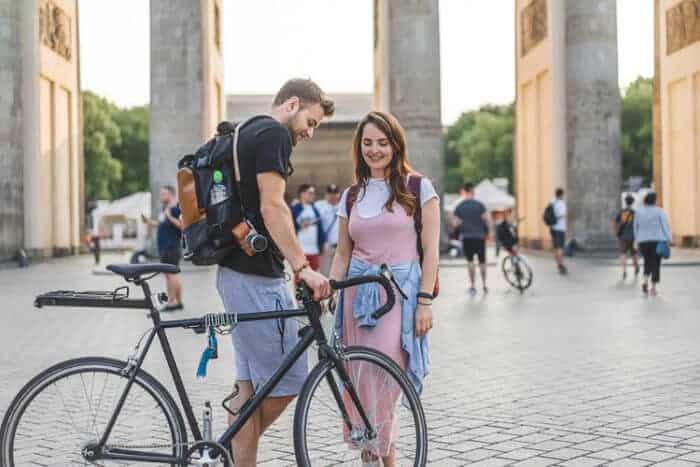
637, 129
116, 148
480, 145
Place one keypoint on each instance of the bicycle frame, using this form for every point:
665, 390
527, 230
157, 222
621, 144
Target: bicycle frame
308, 334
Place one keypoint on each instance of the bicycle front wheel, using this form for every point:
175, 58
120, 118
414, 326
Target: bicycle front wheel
66, 408
328, 427
517, 272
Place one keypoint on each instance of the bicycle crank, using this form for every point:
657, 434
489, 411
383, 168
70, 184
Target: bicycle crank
208, 454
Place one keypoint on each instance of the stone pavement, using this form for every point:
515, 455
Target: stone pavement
580, 371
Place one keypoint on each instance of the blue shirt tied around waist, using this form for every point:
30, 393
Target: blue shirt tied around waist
408, 276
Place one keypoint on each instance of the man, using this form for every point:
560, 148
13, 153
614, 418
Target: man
307, 223
256, 283
168, 239
624, 231
329, 223
558, 229
475, 223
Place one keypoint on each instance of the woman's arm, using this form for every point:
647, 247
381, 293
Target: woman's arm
343, 252
666, 226
430, 239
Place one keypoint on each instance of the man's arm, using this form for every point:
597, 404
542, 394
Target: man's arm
173, 220
278, 221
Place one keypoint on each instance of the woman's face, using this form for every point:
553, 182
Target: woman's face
377, 151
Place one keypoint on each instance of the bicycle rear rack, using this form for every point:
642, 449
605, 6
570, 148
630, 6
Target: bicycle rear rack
117, 298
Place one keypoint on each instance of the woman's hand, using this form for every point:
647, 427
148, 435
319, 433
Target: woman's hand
424, 319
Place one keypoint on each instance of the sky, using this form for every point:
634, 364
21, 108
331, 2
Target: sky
331, 42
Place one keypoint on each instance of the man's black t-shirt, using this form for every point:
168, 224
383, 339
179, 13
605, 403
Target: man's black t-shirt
264, 145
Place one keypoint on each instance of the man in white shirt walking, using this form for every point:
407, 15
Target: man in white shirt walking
328, 209
558, 229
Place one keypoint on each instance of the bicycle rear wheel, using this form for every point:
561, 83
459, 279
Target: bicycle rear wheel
67, 407
322, 437
517, 272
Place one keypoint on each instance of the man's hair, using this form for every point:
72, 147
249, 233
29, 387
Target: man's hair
170, 188
308, 92
629, 199
468, 187
650, 199
303, 187
559, 192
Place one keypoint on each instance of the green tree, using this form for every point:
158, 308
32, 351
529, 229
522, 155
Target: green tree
637, 129
133, 150
479, 145
103, 173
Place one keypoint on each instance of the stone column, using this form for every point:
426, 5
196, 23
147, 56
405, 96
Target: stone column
186, 83
40, 134
567, 117
594, 163
11, 126
407, 77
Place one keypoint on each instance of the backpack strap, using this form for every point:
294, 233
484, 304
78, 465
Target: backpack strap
414, 186
353, 193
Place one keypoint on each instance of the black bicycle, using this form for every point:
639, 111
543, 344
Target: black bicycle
356, 404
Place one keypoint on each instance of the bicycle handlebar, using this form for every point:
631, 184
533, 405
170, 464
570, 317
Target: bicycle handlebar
384, 279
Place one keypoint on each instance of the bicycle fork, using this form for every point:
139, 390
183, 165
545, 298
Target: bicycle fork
338, 361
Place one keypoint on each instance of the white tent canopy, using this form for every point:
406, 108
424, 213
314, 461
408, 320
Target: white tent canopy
120, 220
494, 198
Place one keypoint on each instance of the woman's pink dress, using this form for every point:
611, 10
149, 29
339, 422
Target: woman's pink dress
387, 238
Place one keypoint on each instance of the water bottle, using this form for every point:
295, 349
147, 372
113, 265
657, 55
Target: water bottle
218, 192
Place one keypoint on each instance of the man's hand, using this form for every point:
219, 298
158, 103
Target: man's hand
144, 219
316, 282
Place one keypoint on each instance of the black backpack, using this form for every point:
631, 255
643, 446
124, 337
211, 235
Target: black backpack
206, 226
549, 217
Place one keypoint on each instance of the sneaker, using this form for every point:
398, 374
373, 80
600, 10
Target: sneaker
562, 270
636, 270
175, 307
486, 290
645, 288
653, 292
472, 291
624, 275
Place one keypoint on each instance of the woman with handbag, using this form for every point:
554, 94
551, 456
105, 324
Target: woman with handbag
653, 235
390, 216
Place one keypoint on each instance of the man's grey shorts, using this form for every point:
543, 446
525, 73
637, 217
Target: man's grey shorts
260, 346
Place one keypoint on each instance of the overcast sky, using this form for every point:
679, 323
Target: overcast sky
268, 41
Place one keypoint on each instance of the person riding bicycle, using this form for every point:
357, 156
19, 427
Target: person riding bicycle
257, 283
507, 235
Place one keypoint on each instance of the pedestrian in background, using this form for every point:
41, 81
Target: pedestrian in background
651, 228
307, 222
169, 235
624, 231
328, 209
475, 224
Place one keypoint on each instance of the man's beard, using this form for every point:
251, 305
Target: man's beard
292, 133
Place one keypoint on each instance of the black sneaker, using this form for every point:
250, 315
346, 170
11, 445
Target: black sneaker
562, 270
177, 306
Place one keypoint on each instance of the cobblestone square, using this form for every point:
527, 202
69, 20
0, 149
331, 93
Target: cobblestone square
582, 370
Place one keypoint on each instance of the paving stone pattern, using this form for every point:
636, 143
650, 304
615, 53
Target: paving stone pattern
580, 371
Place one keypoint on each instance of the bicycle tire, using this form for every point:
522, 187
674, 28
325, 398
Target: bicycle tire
340, 450
521, 281
32, 399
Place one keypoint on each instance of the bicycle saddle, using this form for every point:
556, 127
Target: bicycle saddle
135, 271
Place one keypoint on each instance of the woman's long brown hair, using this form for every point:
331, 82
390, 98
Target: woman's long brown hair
398, 168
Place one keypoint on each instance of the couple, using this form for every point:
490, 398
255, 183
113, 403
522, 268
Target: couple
378, 228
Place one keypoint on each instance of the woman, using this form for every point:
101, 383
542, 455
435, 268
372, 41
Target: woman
379, 229
651, 227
